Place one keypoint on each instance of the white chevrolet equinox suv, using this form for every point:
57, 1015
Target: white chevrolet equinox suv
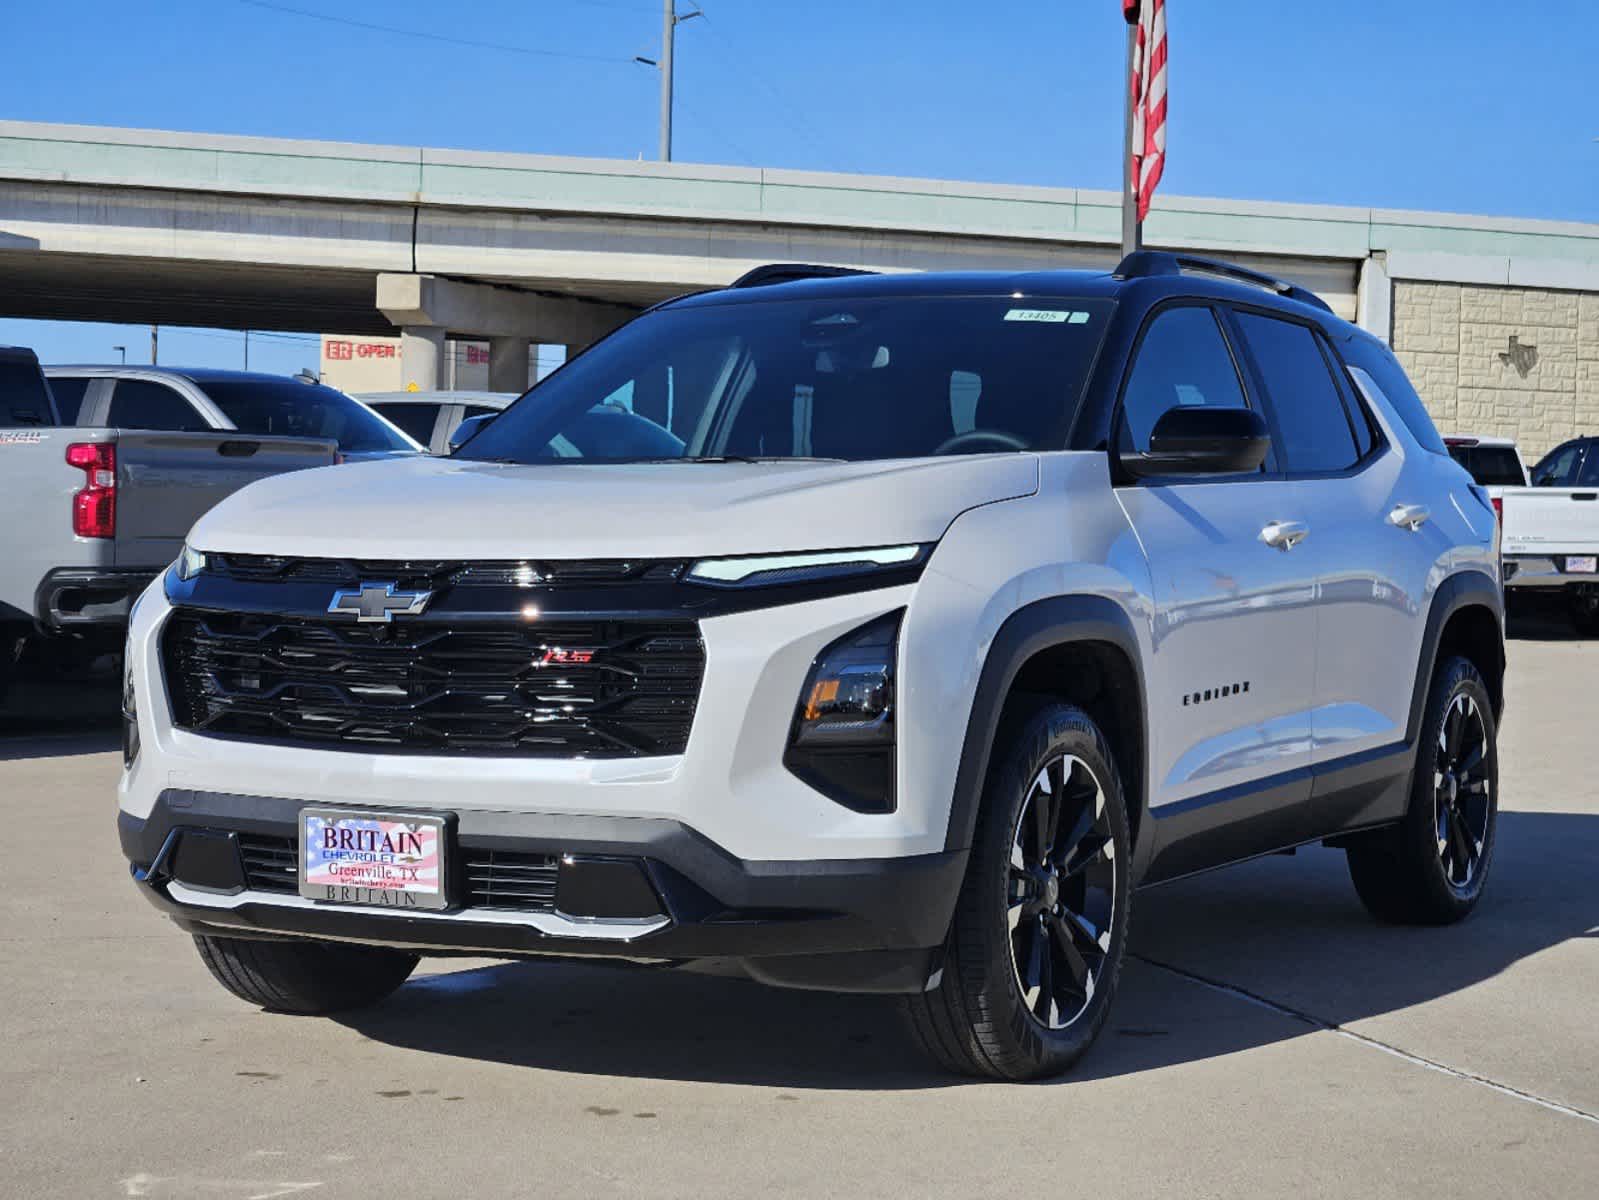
859, 632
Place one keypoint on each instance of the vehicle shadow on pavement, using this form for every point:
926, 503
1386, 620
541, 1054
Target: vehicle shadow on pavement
1289, 929
22, 739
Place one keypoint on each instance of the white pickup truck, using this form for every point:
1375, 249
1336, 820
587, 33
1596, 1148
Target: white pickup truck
1550, 538
91, 515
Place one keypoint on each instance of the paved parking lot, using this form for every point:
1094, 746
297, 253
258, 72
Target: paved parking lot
1269, 1039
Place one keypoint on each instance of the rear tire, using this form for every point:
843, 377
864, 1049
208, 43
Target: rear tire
1040, 929
309, 978
1430, 868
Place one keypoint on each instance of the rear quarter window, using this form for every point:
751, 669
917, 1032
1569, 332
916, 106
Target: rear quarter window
1383, 370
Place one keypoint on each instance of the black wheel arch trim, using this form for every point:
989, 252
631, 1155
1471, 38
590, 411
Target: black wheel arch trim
1036, 627
1465, 589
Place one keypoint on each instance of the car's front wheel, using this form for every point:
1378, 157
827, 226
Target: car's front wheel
1430, 868
1040, 928
304, 977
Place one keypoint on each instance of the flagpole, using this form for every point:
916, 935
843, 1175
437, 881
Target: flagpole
1132, 227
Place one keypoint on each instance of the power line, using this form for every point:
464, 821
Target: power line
425, 35
783, 104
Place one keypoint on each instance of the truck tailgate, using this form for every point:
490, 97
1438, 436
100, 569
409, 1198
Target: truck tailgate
1550, 521
167, 481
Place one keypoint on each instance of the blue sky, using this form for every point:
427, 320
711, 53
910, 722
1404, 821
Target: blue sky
1470, 105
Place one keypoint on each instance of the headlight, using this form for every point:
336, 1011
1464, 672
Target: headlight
842, 741
190, 563
769, 569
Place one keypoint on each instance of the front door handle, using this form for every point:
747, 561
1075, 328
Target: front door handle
1409, 516
1285, 535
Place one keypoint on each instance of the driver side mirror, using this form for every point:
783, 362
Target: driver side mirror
469, 429
1198, 440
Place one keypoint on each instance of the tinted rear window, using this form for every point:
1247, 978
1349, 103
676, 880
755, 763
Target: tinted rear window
1491, 466
68, 394
416, 419
1316, 431
23, 400
288, 409
1384, 370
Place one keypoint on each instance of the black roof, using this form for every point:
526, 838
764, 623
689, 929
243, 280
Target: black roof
1061, 284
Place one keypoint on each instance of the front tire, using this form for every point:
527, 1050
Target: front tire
308, 978
1040, 929
1430, 868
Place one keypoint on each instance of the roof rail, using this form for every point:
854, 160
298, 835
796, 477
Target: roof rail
789, 272
1141, 264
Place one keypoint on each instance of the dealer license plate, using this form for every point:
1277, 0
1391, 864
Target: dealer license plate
382, 860
1582, 564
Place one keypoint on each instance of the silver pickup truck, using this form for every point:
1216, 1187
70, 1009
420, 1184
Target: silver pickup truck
1550, 539
88, 516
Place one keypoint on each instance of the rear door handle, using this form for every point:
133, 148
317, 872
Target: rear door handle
1409, 516
1285, 535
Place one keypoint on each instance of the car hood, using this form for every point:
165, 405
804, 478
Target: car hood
451, 508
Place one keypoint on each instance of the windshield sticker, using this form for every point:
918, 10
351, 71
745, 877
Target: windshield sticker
1047, 316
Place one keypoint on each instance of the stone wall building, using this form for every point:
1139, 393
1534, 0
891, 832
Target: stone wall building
1509, 361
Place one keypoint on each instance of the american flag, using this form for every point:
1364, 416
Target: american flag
1149, 97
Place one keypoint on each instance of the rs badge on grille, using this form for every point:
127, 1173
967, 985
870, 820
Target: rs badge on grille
378, 603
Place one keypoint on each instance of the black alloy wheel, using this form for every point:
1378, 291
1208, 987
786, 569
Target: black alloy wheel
1062, 892
1462, 790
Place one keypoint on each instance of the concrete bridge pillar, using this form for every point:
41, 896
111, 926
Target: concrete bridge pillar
422, 357
508, 364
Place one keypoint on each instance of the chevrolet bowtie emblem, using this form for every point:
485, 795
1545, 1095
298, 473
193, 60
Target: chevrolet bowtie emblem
378, 603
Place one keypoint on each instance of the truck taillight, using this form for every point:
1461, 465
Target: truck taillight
94, 506
1499, 508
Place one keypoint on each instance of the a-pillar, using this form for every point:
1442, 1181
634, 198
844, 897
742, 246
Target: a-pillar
422, 357
508, 364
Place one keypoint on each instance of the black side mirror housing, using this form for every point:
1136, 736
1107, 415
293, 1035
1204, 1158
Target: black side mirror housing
469, 429
1199, 440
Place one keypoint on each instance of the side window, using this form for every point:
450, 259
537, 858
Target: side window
1383, 374
22, 395
69, 395
1559, 467
416, 419
1315, 429
140, 404
1182, 360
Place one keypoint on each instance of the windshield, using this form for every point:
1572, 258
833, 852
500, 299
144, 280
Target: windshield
286, 408
835, 379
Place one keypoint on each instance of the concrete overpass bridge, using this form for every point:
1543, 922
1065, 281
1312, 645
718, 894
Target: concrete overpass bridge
241, 232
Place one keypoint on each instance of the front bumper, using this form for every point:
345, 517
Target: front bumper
871, 925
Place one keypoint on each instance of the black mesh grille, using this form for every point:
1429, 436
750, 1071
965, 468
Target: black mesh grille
556, 689
271, 864
506, 879
433, 574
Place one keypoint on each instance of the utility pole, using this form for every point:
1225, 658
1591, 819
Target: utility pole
154, 332
670, 20
122, 350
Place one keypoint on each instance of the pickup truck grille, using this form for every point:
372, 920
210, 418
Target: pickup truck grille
552, 689
434, 574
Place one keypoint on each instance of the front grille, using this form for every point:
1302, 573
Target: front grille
555, 689
507, 879
271, 864
434, 574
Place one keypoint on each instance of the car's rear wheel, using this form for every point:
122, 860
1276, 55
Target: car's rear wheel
304, 977
1430, 869
1040, 928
